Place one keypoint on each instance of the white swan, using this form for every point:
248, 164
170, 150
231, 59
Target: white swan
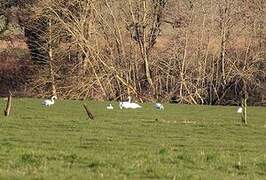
49, 102
124, 105
128, 104
239, 110
159, 106
133, 105
110, 107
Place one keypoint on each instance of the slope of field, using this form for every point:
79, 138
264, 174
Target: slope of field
181, 142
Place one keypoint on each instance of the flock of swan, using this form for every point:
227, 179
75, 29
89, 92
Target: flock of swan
131, 105
122, 105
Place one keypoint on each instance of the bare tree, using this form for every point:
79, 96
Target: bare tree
187, 51
145, 27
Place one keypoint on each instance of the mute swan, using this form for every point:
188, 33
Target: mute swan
128, 104
159, 106
239, 110
49, 102
110, 107
133, 105
125, 104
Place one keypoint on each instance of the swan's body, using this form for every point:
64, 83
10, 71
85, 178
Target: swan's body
110, 107
49, 102
239, 110
128, 104
159, 106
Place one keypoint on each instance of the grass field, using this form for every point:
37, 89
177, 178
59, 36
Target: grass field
181, 142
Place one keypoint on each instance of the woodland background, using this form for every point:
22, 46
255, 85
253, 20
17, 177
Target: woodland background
183, 51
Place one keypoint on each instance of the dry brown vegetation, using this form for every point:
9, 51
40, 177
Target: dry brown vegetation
198, 52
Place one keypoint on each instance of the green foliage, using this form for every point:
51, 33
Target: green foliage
185, 142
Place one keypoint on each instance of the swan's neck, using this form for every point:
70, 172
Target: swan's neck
129, 99
52, 99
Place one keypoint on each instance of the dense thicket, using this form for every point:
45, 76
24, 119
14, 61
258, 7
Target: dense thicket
207, 52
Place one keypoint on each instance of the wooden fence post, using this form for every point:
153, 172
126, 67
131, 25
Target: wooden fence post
244, 112
8, 105
91, 116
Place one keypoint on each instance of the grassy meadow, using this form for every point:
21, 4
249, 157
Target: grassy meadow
181, 142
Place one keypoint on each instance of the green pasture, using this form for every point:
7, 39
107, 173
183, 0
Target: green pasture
181, 142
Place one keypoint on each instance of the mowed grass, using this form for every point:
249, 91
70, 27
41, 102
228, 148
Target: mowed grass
181, 142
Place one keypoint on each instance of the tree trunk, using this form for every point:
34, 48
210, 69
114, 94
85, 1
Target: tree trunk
52, 74
222, 57
51, 59
147, 71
